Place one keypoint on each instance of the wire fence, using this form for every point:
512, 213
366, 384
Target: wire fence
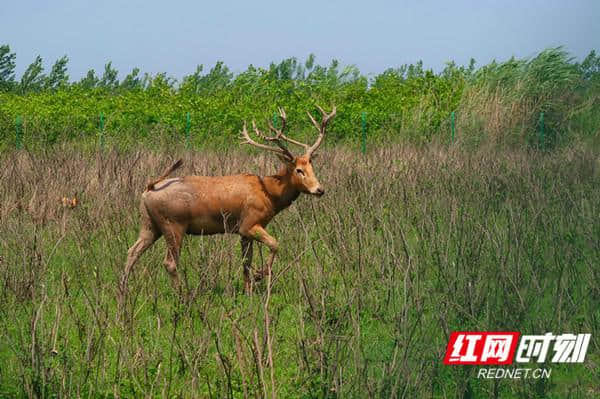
364, 130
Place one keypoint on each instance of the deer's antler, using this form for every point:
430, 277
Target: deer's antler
320, 127
279, 132
279, 136
280, 149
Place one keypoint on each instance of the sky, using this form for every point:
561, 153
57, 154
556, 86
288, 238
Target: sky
176, 36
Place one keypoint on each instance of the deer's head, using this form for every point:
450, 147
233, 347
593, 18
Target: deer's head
299, 168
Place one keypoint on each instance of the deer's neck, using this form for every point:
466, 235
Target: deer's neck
280, 189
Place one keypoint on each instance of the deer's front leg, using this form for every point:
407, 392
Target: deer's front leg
258, 233
247, 256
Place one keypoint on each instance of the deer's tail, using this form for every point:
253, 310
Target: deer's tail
172, 169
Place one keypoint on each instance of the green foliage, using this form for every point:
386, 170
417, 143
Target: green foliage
58, 75
132, 81
109, 78
498, 103
590, 67
89, 81
7, 68
33, 77
218, 78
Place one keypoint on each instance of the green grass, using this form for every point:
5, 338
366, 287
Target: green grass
408, 245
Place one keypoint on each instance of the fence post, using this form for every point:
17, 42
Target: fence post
541, 137
452, 125
19, 133
364, 132
188, 125
101, 132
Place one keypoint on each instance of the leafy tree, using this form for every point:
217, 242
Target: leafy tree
7, 68
285, 70
331, 76
132, 81
191, 83
160, 81
147, 80
33, 78
310, 62
590, 67
58, 75
349, 74
471, 69
407, 99
90, 80
415, 70
109, 78
333, 71
248, 81
217, 78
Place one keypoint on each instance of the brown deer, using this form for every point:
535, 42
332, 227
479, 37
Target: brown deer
242, 204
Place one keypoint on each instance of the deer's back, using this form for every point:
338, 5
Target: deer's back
205, 204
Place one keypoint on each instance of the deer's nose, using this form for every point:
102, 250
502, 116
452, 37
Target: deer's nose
319, 191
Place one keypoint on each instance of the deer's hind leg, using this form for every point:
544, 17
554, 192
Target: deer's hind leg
147, 236
174, 237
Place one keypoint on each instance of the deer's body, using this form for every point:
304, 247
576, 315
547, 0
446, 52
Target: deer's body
204, 205
242, 204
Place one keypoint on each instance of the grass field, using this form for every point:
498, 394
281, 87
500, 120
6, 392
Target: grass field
409, 244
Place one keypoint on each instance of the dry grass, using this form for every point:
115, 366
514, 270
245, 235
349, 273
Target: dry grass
408, 245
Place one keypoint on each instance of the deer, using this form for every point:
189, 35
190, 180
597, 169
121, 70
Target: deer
241, 204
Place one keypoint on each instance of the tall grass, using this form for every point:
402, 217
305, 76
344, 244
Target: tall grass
408, 245
506, 100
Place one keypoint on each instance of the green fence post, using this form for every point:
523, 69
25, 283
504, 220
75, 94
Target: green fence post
452, 125
19, 133
541, 137
364, 132
101, 132
188, 125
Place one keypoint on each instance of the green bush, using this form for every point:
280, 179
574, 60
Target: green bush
499, 102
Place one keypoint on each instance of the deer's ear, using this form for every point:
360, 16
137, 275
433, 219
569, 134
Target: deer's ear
285, 160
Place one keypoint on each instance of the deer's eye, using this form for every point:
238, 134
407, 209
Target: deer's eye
300, 172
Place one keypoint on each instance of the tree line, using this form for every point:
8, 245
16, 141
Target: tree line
500, 100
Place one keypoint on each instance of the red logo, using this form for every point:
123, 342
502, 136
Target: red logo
481, 347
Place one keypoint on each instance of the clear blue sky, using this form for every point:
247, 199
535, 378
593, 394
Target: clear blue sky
175, 36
